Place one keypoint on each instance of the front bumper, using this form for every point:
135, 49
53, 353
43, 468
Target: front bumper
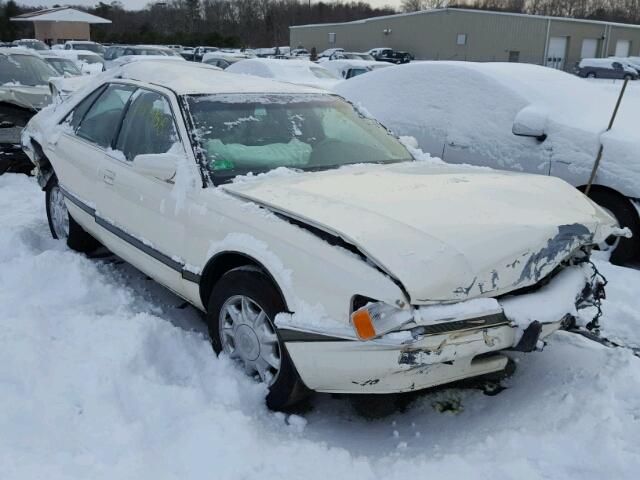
379, 366
441, 352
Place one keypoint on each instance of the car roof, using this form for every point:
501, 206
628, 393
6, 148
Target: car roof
186, 78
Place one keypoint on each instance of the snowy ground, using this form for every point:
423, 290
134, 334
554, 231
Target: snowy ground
103, 375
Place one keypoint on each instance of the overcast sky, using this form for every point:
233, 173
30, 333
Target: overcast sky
138, 4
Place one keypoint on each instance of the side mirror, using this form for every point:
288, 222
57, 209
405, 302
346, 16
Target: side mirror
158, 165
531, 121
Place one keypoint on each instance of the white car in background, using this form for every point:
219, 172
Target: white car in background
352, 68
87, 61
84, 45
518, 117
300, 72
223, 59
358, 270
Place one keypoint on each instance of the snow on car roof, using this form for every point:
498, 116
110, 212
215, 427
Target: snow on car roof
192, 78
18, 51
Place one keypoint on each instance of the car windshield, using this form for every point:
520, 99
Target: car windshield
25, 70
64, 66
240, 133
92, 47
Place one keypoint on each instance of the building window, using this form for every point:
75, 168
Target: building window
332, 39
514, 56
461, 39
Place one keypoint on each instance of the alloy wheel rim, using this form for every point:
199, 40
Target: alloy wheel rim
248, 336
59, 214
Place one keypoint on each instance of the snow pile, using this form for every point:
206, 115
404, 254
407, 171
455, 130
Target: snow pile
103, 376
461, 109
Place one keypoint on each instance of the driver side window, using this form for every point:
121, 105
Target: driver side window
101, 121
148, 126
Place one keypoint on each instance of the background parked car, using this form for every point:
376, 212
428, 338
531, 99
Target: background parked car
300, 72
199, 52
87, 61
351, 68
519, 117
31, 43
223, 59
605, 68
116, 51
24, 90
390, 55
64, 66
85, 45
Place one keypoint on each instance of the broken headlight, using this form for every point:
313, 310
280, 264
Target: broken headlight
377, 318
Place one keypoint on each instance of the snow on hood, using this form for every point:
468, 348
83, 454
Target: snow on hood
446, 233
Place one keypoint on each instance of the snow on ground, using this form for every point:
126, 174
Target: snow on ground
103, 375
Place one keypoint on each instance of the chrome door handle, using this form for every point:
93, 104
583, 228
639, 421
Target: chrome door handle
108, 177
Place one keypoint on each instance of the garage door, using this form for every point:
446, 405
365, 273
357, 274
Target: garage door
556, 52
589, 48
622, 48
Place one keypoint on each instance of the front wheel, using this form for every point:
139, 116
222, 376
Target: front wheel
240, 316
62, 225
591, 75
623, 250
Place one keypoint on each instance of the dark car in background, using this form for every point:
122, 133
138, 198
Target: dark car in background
605, 68
390, 55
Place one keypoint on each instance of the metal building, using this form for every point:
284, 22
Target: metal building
477, 35
59, 24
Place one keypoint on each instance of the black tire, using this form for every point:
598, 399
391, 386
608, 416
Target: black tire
628, 77
78, 239
628, 249
288, 390
591, 75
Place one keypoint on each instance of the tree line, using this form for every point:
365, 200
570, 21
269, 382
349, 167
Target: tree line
265, 23
226, 23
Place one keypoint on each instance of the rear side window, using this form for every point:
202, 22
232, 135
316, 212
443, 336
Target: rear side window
101, 121
148, 126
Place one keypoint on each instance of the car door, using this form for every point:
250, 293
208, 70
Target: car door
142, 213
78, 152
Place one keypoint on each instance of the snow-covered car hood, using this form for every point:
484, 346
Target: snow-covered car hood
30, 97
445, 233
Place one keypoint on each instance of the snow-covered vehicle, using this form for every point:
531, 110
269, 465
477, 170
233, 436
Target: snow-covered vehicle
87, 61
64, 66
352, 68
605, 68
31, 44
359, 269
517, 117
24, 90
84, 45
222, 59
300, 72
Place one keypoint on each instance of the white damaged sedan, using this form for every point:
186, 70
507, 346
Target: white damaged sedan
361, 267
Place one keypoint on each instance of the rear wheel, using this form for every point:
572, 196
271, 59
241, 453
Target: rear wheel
623, 250
241, 314
628, 77
591, 75
62, 225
